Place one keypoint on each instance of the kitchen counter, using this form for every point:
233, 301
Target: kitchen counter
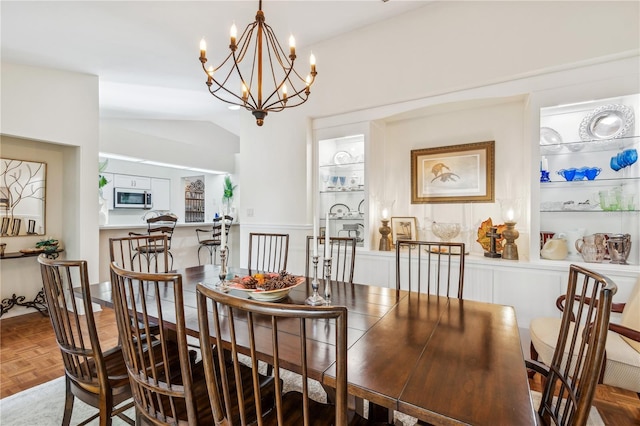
184, 244
144, 225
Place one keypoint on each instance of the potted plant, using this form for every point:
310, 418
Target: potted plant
227, 194
102, 181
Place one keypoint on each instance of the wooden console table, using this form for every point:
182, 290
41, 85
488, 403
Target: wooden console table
39, 302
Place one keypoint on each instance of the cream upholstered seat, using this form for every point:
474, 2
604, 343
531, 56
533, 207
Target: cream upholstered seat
622, 366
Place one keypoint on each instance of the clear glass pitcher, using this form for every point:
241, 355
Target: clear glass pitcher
592, 248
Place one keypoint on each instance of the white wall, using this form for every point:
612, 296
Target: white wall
64, 111
500, 121
446, 52
199, 144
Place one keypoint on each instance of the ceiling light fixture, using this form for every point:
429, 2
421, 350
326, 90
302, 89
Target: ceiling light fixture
286, 87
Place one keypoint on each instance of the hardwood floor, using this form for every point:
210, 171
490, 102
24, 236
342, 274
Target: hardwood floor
29, 356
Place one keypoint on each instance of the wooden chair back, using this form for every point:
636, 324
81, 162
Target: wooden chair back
430, 267
98, 378
141, 253
343, 258
210, 239
267, 252
157, 359
571, 379
163, 225
245, 327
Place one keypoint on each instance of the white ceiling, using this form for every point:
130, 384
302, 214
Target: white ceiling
146, 52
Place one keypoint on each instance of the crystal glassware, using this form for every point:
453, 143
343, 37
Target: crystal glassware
445, 231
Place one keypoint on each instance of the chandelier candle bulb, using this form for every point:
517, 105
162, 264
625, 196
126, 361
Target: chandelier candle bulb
233, 33
312, 61
292, 47
203, 49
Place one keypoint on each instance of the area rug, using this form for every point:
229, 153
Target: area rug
43, 405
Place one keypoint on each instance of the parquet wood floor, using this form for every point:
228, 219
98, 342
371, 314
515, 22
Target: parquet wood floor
29, 356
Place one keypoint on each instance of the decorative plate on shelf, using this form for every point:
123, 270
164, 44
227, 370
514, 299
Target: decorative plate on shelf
361, 207
550, 139
342, 157
339, 210
607, 122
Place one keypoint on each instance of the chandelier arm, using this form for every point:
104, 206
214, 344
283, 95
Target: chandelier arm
271, 51
248, 104
250, 98
224, 89
297, 98
244, 41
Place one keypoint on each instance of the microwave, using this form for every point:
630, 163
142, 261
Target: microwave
130, 198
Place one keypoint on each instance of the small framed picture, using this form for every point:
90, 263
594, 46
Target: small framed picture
403, 228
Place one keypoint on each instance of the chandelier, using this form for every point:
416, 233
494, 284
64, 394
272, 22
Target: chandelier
267, 81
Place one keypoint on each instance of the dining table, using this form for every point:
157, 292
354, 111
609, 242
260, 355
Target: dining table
441, 360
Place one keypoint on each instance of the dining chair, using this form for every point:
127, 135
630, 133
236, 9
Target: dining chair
210, 239
622, 355
431, 267
96, 377
570, 378
277, 333
141, 253
343, 258
267, 252
160, 225
168, 384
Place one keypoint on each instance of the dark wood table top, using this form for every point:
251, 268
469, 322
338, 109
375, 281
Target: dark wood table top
444, 361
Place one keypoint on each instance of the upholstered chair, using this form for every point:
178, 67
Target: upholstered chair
622, 364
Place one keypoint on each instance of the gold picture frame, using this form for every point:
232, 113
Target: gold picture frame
453, 174
403, 228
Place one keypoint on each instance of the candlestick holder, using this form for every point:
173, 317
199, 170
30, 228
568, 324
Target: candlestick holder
544, 176
510, 250
223, 267
315, 298
327, 280
384, 230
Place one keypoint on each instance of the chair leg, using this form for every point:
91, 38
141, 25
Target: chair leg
199, 248
534, 357
68, 403
106, 408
